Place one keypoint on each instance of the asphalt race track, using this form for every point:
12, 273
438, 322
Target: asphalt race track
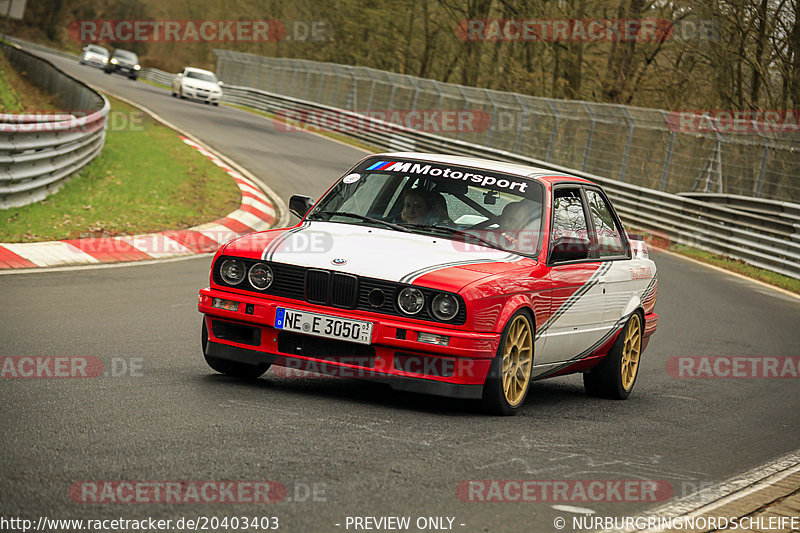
368, 451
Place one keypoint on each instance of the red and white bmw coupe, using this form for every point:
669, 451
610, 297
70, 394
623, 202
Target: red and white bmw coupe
446, 275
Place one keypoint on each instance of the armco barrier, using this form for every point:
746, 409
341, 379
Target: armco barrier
39, 151
757, 238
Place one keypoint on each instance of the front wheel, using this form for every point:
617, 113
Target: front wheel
615, 376
232, 368
510, 374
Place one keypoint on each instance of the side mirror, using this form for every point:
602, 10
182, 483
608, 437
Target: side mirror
220, 83
570, 249
180, 74
299, 205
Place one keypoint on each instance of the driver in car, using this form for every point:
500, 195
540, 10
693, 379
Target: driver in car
519, 222
423, 207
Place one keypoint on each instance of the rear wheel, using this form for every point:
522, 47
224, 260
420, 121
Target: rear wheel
509, 377
232, 368
615, 376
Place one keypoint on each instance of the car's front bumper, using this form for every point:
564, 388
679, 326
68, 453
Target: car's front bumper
202, 95
394, 356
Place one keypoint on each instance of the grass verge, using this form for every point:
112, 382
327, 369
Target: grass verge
18, 95
145, 180
740, 267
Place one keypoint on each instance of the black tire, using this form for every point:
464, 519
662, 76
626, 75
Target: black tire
133, 78
232, 368
216, 103
609, 379
497, 399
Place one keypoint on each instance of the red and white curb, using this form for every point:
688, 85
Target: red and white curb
256, 213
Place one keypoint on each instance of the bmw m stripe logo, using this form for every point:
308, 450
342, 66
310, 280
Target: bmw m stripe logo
380, 165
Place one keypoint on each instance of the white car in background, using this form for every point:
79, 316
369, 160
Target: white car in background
94, 55
197, 84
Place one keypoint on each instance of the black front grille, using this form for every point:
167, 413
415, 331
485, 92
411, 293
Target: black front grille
317, 286
331, 288
345, 291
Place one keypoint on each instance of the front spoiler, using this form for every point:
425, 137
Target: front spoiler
404, 383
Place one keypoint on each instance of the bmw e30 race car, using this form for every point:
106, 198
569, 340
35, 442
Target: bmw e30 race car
446, 275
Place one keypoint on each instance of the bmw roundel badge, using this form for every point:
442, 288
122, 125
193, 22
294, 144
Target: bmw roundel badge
339, 261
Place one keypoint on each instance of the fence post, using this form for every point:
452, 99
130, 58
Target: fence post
627, 150
762, 172
588, 146
552, 142
662, 186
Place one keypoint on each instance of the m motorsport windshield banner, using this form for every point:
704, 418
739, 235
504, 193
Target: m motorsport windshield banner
475, 177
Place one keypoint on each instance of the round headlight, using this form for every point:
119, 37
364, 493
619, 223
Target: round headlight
260, 276
232, 271
444, 306
410, 300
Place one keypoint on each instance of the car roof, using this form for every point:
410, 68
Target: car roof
542, 174
194, 69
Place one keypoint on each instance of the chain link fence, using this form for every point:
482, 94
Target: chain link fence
652, 148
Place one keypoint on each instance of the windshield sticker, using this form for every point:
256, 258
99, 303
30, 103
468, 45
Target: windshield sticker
351, 178
505, 183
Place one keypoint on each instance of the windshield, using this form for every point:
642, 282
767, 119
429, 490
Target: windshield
459, 203
201, 76
128, 56
97, 50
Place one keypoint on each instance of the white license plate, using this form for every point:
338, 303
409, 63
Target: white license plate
323, 325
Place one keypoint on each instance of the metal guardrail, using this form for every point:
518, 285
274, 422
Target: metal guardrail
784, 211
157, 76
38, 151
751, 237
668, 151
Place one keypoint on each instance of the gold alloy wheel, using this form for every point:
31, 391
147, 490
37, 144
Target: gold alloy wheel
517, 360
631, 350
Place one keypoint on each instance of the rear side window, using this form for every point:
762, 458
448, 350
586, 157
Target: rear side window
610, 242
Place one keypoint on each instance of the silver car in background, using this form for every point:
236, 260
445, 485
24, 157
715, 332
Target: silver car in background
94, 55
197, 84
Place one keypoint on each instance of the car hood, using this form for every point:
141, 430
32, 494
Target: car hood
377, 253
200, 84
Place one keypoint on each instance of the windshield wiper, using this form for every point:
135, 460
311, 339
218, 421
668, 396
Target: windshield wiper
454, 231
360, 217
